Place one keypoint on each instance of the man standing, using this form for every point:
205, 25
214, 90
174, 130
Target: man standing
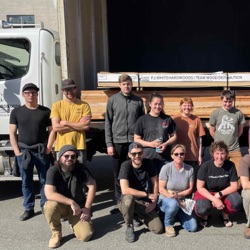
135, 200
70, 118
123, 110
32, 146
226, 124
66, 187
244, 173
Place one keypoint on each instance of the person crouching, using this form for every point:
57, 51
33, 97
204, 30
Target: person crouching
65, 190
135, 200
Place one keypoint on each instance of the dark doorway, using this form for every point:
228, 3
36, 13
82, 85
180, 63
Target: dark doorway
179, 35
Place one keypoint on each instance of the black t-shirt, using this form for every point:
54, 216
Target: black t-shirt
73, 184
137, 177
31, 124
151, 128
217, 179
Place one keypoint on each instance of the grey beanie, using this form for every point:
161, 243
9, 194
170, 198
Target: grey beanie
66, 148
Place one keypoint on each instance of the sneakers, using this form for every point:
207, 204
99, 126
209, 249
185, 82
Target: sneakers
114, 210
27, 215
247, 233
170, 232
55, 239
130, 235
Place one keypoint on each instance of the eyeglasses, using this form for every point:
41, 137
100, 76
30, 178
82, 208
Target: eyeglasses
136, 153
30, 92
73, 157
180, 154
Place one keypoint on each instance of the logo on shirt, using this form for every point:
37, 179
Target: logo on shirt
226, 127
164, 124
218, 176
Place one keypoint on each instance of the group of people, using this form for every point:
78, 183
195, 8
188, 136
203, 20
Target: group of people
173, 146
157, 161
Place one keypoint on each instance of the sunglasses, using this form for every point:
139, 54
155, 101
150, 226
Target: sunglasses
180, 154
136, 153
73, 157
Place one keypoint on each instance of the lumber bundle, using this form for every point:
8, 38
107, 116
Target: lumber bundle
205, 101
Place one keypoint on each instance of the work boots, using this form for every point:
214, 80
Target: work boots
55, 239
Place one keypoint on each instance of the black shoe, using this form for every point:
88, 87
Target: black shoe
114, 210
27, 214
130, 235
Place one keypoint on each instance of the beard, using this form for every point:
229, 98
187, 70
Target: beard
68, 166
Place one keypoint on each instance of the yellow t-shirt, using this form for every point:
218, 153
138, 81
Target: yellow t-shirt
73, 112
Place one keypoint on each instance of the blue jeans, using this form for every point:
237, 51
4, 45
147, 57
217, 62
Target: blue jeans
42, 165
171, 208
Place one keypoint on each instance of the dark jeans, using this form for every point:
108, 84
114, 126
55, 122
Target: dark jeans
42, 165
121, 155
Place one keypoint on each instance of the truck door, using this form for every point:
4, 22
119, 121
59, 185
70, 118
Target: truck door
50, 68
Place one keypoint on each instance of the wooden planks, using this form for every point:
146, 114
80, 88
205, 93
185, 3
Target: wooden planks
205, 101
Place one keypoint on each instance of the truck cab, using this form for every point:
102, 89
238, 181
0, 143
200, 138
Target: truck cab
27, 55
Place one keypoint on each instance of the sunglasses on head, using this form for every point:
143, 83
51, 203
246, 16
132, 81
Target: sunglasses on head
73, 157
180, 154
136, 153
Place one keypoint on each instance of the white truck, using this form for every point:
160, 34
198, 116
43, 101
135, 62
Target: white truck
26, 55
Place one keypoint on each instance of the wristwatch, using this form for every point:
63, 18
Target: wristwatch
220, 194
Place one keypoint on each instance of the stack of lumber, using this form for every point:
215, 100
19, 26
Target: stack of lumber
205, 101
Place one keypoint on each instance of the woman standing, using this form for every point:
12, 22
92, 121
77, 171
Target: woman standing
176, 182
156, 131
217, 186
190, 132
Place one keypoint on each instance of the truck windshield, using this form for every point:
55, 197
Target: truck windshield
14, 58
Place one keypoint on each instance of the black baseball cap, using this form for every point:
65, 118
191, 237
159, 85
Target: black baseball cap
30, 86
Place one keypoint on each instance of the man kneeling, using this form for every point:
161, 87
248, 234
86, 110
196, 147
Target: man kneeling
134, 175
65, 190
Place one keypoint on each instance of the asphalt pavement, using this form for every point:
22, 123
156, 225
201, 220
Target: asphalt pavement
109, 229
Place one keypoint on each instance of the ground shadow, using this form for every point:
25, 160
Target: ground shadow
107, 224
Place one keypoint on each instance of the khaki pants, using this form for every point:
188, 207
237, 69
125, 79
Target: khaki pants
129, 206
54, 211
235, 157
246, 204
